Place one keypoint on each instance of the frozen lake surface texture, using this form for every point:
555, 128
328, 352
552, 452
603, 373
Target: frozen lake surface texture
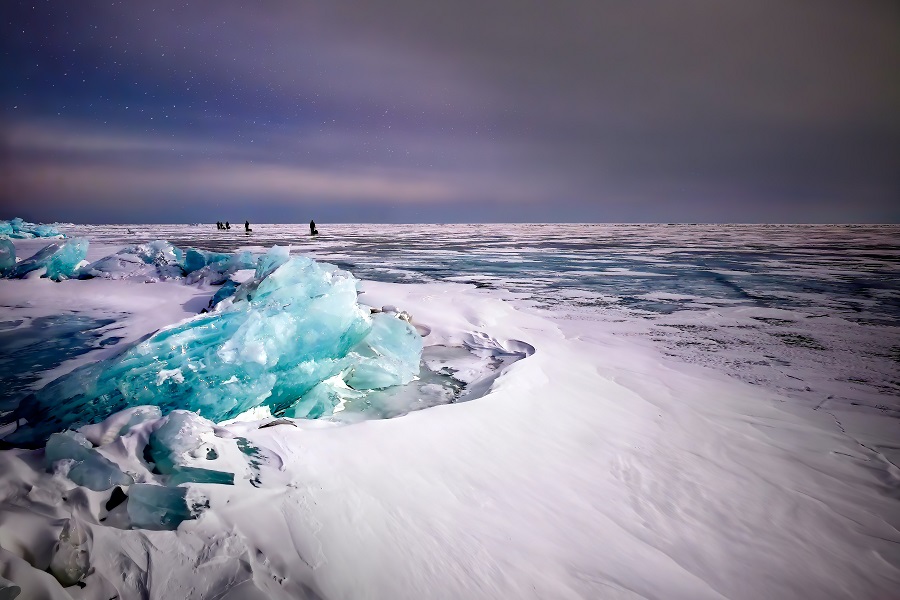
507, 411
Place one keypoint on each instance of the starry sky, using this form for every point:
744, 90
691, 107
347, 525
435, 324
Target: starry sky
462, 111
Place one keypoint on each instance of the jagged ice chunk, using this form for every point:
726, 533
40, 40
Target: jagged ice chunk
158, 507
60, 259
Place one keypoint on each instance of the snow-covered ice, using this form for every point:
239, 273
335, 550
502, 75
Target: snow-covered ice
621, 438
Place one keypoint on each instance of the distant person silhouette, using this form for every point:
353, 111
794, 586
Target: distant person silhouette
312, 228
247, 227
227, 225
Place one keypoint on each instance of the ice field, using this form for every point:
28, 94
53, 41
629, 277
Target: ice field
504, 411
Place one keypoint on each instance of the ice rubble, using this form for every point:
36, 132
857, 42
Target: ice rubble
19, 229
153, 261
160, 260
295, 324
162, 454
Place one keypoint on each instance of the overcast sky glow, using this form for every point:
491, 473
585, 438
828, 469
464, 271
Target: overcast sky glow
463, 111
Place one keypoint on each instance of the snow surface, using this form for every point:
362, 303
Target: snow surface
594, 467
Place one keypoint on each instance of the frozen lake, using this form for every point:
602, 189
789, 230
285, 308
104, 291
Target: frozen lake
656, 412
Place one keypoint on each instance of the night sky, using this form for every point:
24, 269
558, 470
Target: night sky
462, 111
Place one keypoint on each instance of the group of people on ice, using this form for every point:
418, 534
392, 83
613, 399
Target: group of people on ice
226, 226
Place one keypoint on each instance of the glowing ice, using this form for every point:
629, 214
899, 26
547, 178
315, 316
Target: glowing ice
60, 259
292, 326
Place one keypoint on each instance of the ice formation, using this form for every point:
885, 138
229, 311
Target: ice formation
61, 260
19, 229
294, 325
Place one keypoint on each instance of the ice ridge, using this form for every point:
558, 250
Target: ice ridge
19, 229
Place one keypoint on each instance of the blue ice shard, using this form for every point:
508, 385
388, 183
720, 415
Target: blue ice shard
89, 468
200, 475
7, 256
294, 325
158, 507
60, 259
194, 260
214, 268
226, 291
